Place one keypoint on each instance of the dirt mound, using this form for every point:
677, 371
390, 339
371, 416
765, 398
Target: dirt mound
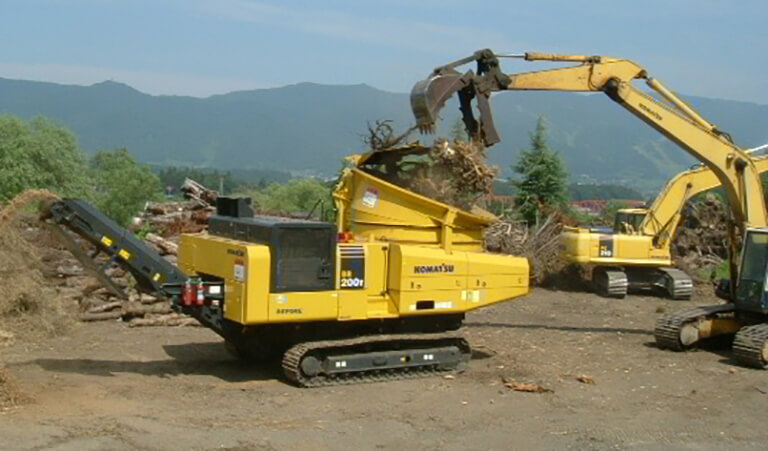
19, 202
29, 306
10, 395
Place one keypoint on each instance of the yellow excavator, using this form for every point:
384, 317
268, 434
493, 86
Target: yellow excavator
635, 254
746, 312
378, 295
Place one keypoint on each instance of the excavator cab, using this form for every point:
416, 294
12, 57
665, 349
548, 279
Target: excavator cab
629, 220
751, 292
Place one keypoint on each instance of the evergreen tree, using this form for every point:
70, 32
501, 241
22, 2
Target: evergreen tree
541, 186
459, 131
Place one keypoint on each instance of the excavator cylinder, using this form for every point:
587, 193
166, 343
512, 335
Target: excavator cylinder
539, 56
657, 86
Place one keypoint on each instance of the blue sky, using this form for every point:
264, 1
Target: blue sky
202, 47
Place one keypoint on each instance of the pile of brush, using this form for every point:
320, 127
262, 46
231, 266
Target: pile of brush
701, 242
540, 244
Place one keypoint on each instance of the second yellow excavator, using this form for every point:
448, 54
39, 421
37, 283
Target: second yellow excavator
635, 253
746, 312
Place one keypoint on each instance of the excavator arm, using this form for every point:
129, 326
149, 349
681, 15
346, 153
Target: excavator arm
663, 216
673, 118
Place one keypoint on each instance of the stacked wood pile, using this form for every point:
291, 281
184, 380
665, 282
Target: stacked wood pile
168, 219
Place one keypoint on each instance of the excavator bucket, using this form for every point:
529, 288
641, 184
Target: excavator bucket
428, 97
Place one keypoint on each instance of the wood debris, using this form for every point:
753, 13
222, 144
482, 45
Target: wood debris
526, 387
540, 244
169, 219
169, 320
701, 243
452, 172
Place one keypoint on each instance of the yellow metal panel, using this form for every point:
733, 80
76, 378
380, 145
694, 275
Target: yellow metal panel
244, 267
576, 243
417, 268
375, 210
353, 304
420, 274
372, 301
494, 278
303, 306
257, 272
487, 296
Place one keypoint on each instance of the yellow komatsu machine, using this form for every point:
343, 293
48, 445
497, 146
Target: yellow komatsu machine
746, 312
635, 253
379, 295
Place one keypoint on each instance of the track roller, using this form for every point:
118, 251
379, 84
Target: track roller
374, 358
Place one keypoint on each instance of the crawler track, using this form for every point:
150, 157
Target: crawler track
449, 352
611, 282
668, 327
750, 346
679, 286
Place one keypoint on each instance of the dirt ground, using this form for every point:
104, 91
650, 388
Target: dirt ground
107, 386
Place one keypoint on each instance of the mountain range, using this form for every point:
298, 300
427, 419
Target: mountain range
307, 128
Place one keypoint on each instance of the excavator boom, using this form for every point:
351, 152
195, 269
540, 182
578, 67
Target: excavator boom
671, 116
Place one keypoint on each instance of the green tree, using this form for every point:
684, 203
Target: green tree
458, 131
121, 186
39, 154
295, 196
542, 183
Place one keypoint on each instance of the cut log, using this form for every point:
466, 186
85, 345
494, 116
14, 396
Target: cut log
196, 191
109, 306
166, 246
105, 316
173, 320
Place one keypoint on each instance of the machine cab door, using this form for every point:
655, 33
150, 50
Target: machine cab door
751, 290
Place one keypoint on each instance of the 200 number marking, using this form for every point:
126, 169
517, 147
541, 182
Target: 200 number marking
352, 282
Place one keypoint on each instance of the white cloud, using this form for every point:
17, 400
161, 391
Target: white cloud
156, 83
391, 32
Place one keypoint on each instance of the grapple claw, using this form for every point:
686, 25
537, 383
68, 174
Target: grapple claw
429, 96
